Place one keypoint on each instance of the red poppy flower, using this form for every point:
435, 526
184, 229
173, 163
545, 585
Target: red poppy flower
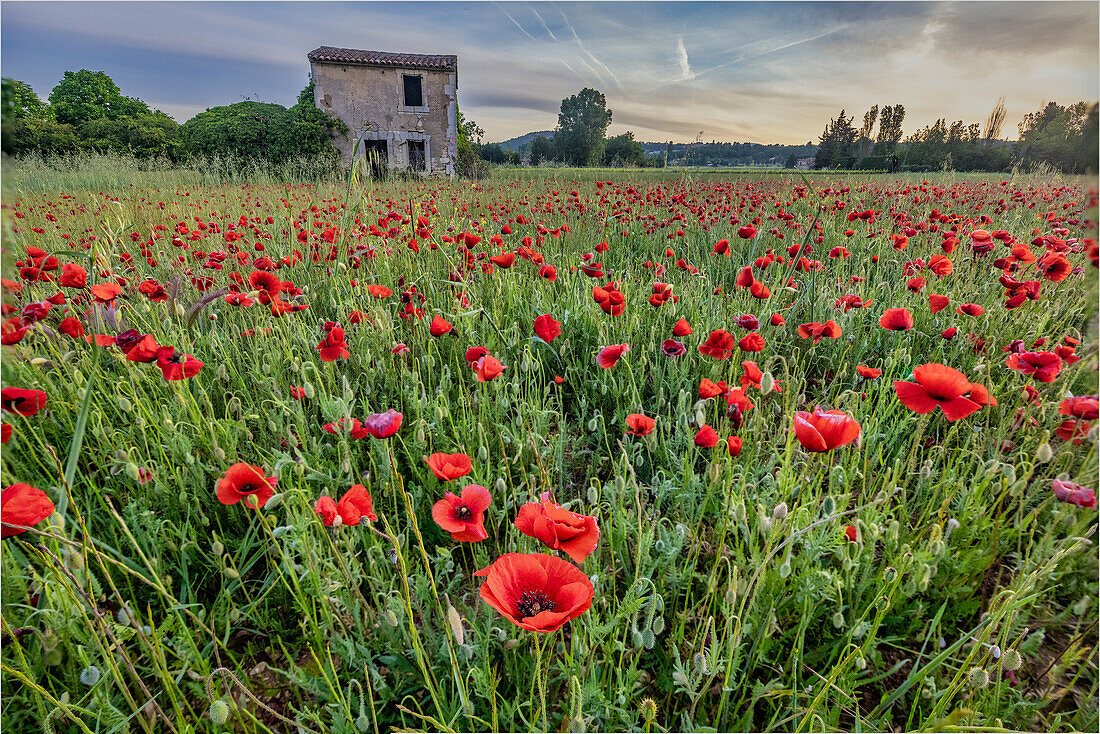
449, 467
896, 319
940, 265
379, 291
777, 320
463, 517
5, 432
817, 331
383, 425
175, 366
825, 430
752, 376
708, 389
505, 260
733, 445
851, 533
333, 346
1084, 406
1055, 266
575, 535
401, 348
1071, 493
23, 402
718, 345
673, 348
548, 272
681, 328
970, 309
73, 276
137, 347
13, 331
536, 591
949, 333
980, 395
1073, 430
248, 483
868, 373
611, 300
608, 356
473, 355
746, 232
488, 368
546, 328
706, 437
639, 425
748, 322
350, 510
937, 303
71, 327
106, 293
356, 430
937, 385
752, 343
22, 504
439, 326
1045, 366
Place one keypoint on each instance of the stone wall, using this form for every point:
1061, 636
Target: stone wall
370, 100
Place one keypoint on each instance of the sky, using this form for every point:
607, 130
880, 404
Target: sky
741, 72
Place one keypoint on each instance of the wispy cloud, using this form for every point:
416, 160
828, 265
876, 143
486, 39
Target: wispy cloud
543, 22
521, 28
686, 74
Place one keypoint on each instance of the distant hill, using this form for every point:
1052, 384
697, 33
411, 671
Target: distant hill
515, 143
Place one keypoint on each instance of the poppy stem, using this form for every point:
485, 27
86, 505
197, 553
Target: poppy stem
540, 683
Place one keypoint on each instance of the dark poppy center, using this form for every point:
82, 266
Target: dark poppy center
249, 488
462, 512
533, 602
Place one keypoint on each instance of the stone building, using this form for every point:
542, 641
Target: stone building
403, 106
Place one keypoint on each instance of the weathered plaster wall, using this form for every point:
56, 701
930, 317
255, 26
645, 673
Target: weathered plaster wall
370, 100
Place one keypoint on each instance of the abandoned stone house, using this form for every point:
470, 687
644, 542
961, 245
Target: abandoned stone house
403, 106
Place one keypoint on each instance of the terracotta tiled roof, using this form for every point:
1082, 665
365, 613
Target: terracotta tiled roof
381, 58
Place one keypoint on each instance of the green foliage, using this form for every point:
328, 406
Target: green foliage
18, 101
582, 123
469, 164
89, 95
623, 151
263, 130
540, 150
30, 134
1062, 137
835, 146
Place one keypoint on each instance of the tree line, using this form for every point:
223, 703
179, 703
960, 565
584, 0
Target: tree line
88, 112
1063, 138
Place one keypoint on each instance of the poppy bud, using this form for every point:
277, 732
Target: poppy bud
125, 405
780, 511
456, 623
308, 389
90, 676
978, 677
838, 620
217, 548
219, 712
1012, 660
861, 663
593, 495
767, 383
500, 485
391, 618
952, 526
1044, 453
231, 573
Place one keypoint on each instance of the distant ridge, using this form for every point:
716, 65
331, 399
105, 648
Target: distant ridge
515, 143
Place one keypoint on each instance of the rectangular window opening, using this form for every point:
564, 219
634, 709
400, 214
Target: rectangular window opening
416, 155
414, 92
377, 154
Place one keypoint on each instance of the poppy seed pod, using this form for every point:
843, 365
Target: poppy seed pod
1011, 660
219, 712
978, 677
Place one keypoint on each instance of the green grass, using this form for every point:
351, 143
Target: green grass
727, 614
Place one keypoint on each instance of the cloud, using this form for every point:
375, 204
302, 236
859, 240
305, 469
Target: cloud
686, 74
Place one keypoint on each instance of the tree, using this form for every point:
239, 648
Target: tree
835, 148
623, 151
89, 95
245, 129
469, 163
582, 123
1063, 137
541, 149
313, 129
864, 142
18, 101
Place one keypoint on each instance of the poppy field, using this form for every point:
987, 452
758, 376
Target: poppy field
567, 451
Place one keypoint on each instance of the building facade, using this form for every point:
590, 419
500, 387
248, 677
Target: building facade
401, 108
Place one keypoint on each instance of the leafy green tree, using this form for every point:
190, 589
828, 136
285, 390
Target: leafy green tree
89, 95
469, 163
1063, 137
835, 149
541, 149
143, 136
31, 134
312, 129
18, 101
245, 129
623, 150
582, 123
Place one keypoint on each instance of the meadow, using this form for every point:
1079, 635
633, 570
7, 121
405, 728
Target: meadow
557, 450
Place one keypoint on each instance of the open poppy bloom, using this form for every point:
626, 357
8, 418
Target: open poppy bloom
825, 430
439, 326
355, 430
333, 346
546, 328
463, 517
718, 345
733, 445
175, 366
22, 504
355, 505
5, 432
639, 425
868, 373
937, 303
937, 385
817, 331
23, 402
558, 528
1068, 492
1045, 366
1084, 406
383, 425
896, 319
379, 291
449, 467
706, 437
709, 389
248, 483
681, 328
488, 368
535, 591
608, 356
673, 348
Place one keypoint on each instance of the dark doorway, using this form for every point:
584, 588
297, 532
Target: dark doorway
414, 92
416, 155
377, 157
